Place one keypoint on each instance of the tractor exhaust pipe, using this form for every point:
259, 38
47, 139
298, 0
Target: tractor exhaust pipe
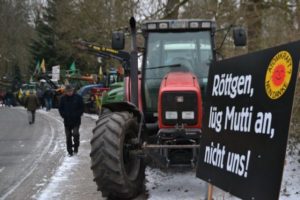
133, 63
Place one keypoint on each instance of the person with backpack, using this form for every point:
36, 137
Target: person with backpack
32, 104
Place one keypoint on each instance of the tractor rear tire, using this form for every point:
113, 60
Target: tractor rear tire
117, 173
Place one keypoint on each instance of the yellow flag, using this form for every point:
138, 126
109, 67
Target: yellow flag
100, 73
43, 66
20, 94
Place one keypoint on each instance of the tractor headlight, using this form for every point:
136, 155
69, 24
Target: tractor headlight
171, 115
188, 115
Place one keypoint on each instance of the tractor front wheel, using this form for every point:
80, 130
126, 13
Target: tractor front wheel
117, 172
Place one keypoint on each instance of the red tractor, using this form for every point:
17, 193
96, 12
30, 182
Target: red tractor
162, 117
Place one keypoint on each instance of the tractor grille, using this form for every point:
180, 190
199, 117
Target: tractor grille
184, 103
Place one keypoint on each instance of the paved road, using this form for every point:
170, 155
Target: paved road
28, 153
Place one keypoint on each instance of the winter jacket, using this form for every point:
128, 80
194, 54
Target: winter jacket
48, 94
71, 109
31, 102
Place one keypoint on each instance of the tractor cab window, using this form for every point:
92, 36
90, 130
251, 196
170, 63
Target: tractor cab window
168, 52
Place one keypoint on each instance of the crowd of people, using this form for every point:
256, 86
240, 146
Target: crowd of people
44, 93
70, 108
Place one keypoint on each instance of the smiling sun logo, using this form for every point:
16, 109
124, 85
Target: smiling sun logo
279, 74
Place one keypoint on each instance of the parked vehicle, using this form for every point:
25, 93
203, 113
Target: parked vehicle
90, 94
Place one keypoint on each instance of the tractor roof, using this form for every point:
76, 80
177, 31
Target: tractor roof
180, 24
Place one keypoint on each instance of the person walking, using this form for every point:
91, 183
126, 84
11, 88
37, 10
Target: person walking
31, 103
2, 95
40, 95
71, 109
8, 98
48, 96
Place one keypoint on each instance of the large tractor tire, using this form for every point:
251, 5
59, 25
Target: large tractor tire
117, 173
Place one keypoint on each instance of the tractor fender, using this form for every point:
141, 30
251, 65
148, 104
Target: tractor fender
129, 107
124, 106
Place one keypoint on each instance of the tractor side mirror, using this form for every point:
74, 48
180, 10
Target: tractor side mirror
118, 40
239, 36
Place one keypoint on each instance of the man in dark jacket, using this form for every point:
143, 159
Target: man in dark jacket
71, 109
31, 103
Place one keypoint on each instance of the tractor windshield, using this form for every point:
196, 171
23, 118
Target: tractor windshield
168, 52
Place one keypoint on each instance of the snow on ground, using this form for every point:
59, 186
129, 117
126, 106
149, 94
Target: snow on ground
159, 184
172, 185
53, 190
92, 116
290, 185
73, 178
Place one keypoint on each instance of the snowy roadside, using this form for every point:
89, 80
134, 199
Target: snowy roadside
290, 188
73, 179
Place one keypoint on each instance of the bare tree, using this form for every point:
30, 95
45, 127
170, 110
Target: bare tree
15, 34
